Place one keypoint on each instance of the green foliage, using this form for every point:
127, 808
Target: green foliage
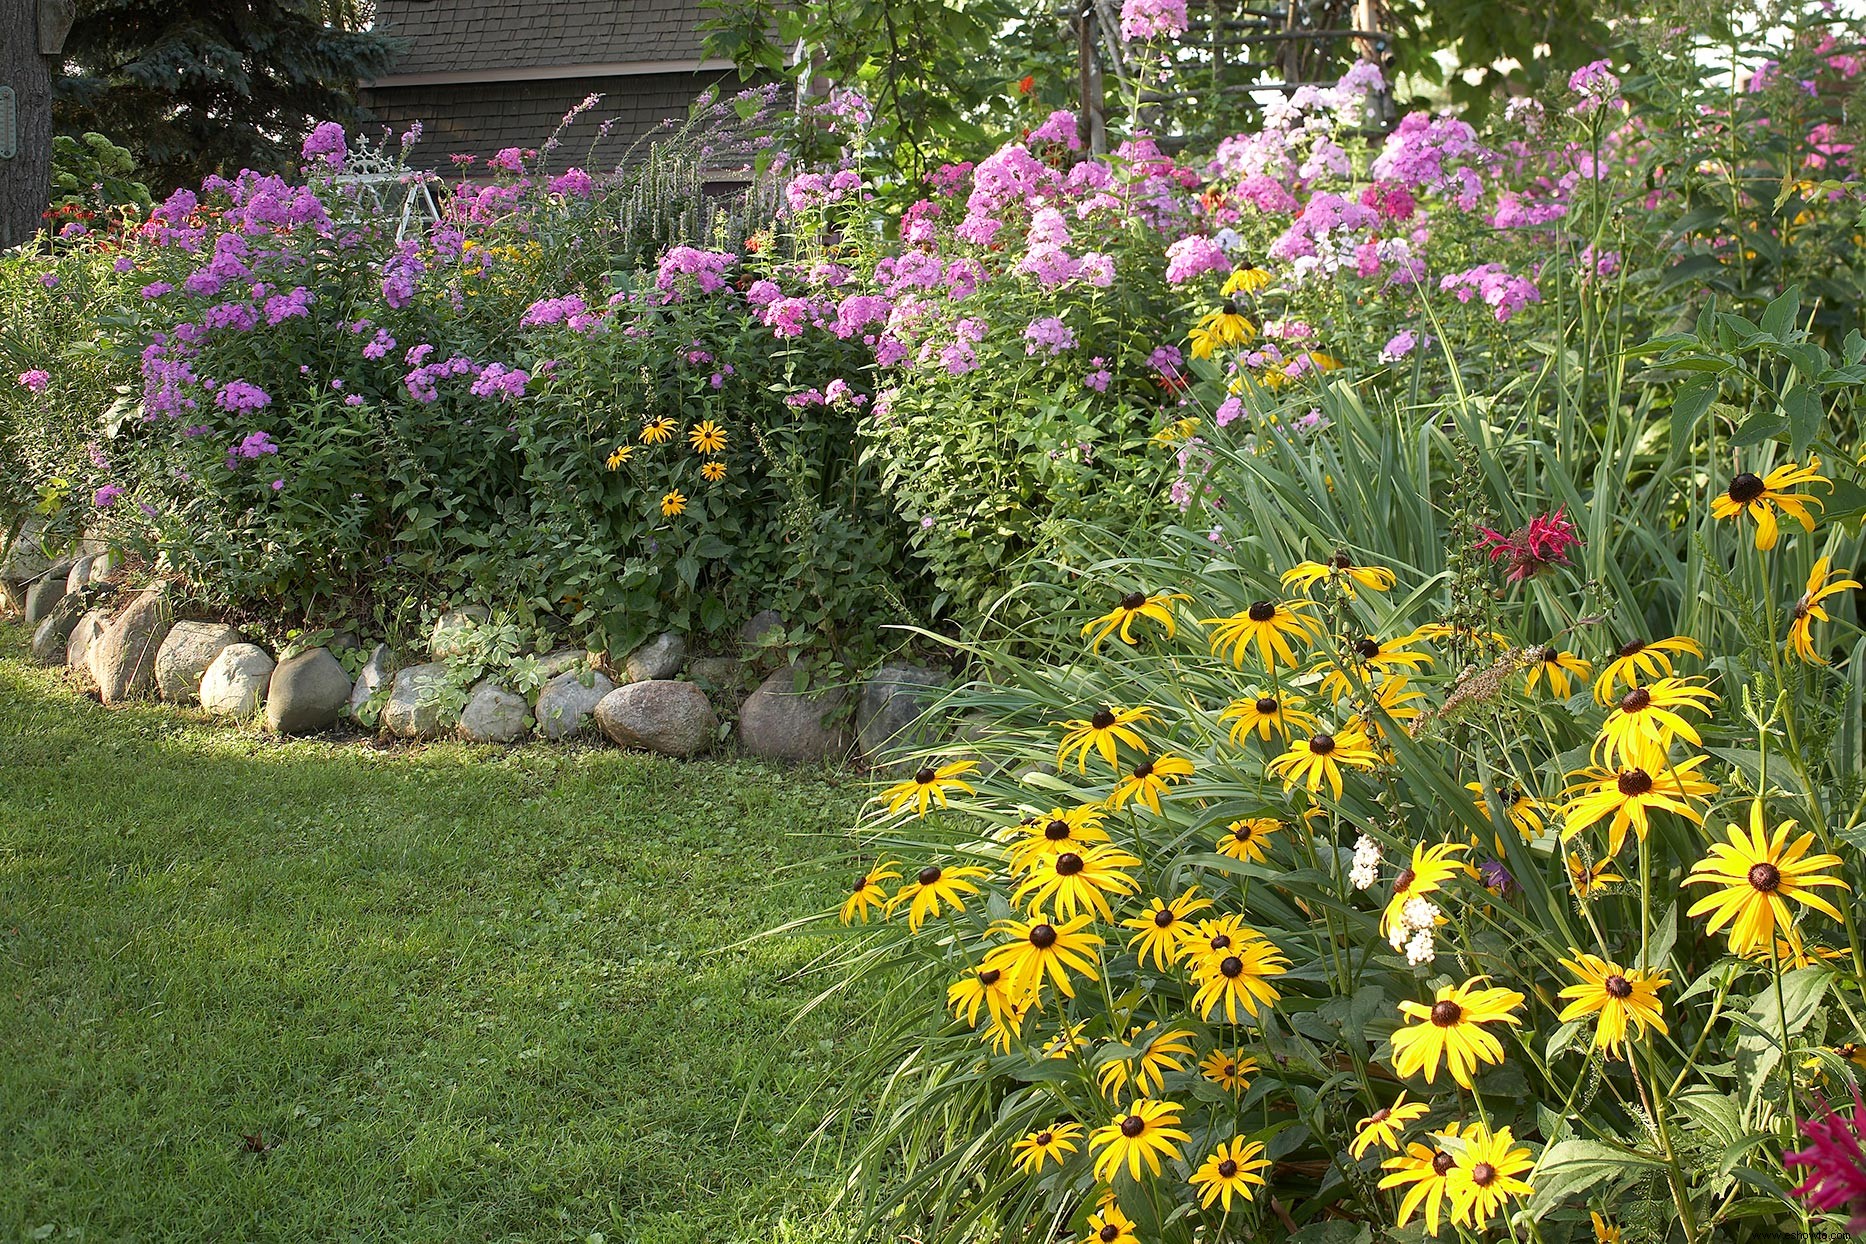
210, 86
91, 177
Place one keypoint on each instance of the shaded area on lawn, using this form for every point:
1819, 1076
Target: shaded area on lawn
462, 993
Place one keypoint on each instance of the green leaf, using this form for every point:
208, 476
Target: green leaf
1572, 1166
1778, 318
1689, 405
1802, 406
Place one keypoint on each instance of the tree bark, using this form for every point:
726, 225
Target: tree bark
26, 179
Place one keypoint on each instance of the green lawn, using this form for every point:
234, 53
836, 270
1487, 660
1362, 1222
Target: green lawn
462, 994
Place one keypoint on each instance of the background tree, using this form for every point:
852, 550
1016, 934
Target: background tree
203, 86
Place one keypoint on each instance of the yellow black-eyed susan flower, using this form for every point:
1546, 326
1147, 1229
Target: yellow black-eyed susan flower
1373, 656
1320, 757
1039, 947
1759, 496
1220, 329
658, 430
713, 471
1809, 610
1238, 976
982, 987
622, 454
1450, 1030
1485, 1176
1248, 839
1109, 1225
1605, 1232
1051, 1144
933, 886
1522, 809
706, 437
1619, 997
1077, 881
1391, 698
1059, 830
1265, 713
1104, 731
1268, 625
1632, 794
1587, 878
868, 892
1558, 668
1427, 872
1428, 1169
1158, 1051
1228, 1069
929, 786
1639, 659
673, 504
1247, 279
1757, 875
1340, 572
1162, 926
1130, 609
1148, 780
1144, 1133
1384, 1126
1230, 1171
1642, 726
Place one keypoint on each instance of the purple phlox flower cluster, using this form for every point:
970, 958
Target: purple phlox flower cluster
1437, 154
812, 191
1401, 344
49, 279
423, 382
501, 382
917, 223
706, 268
241, 317
1059, 127
399, 273
509, 160
823, 272
570, 311
36, 379
327, 142
282, 307
106, 496
572, 183
155, 289
857, 312
1503, 292
1192, 257
1597, 86
265, 204
379, 345
1152, 19
1229, 411
1389, 201
252, 447
1098, 377
228, 265
238, 395
1167, 360
788, 317
1048, 333
167, 376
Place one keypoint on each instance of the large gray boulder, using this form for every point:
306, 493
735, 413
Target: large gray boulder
758, 627
53, 634
494, 714
375, 674
673, 718
185, 655
452, 628
80, 573
415, 708
307, 693
888, 715
722, 678
567, 702
659, 658
235, 681
103, 565
563, 661
84, 636
776, 722
123, 658
43, 595
23, 561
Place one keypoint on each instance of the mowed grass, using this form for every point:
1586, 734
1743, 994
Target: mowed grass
455, 993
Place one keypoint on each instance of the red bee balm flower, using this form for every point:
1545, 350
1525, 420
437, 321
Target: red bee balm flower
1544, 542
1836, 1162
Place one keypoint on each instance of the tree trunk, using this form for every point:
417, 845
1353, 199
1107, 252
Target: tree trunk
26, 178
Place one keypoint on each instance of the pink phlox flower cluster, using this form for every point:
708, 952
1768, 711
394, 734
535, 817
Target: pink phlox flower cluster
1438, 154
423, 382
706, 268
1192, 257
501, 382
254, 446
572, 183
106, 496
1048, 333
1059, 127
1503, 292
1099, 377
379, 345
917, 223
1152, 19
35, 379
857, 312
509, 160
571, 311
241, 395
1597, 86
282, 307
327, 142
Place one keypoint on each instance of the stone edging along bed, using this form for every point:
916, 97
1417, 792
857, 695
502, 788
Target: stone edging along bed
658, 700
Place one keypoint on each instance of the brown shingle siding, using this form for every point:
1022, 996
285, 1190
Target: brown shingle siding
453, 36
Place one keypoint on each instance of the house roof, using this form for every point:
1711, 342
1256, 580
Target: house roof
506, 41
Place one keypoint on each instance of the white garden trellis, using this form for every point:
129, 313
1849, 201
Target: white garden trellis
376, 182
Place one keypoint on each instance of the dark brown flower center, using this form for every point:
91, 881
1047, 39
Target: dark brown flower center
1268, 706
1132, 1126
1163, 918
1242, 832
1322, 744
1340, 561
1802, 607
1044, 1139
1068, 864
1133, 601
1056, 830
1632, 648
1108, 1234
1483, 1174
1636, 700
1549, 655
1446, 1013
1102, 719
1746, 487
861, 883
1765, 877
1634, 782
1143, 770
1261, 611
925, 777
1231, 1069
1227, 1168
1043, 936
1403, 882
1380, 1116
1232, 967
1442, 1163
1367, 649
930, 875
989, 977
1618, 986
1221, 941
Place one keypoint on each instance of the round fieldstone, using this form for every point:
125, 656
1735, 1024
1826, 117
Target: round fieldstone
235, 681
123, 658
893, 702
307, 693
452, 628
673, 718
103, 565
567, 702
659, 658
375, 674
52, 637
777, 722
494, 714
415, 709
757, 629
84, 637
24, 561
44, 595
80, 573
185, 655
563, 661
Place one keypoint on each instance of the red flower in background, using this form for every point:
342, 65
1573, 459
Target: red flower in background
1529, 550
1836, 1162
1026, 84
